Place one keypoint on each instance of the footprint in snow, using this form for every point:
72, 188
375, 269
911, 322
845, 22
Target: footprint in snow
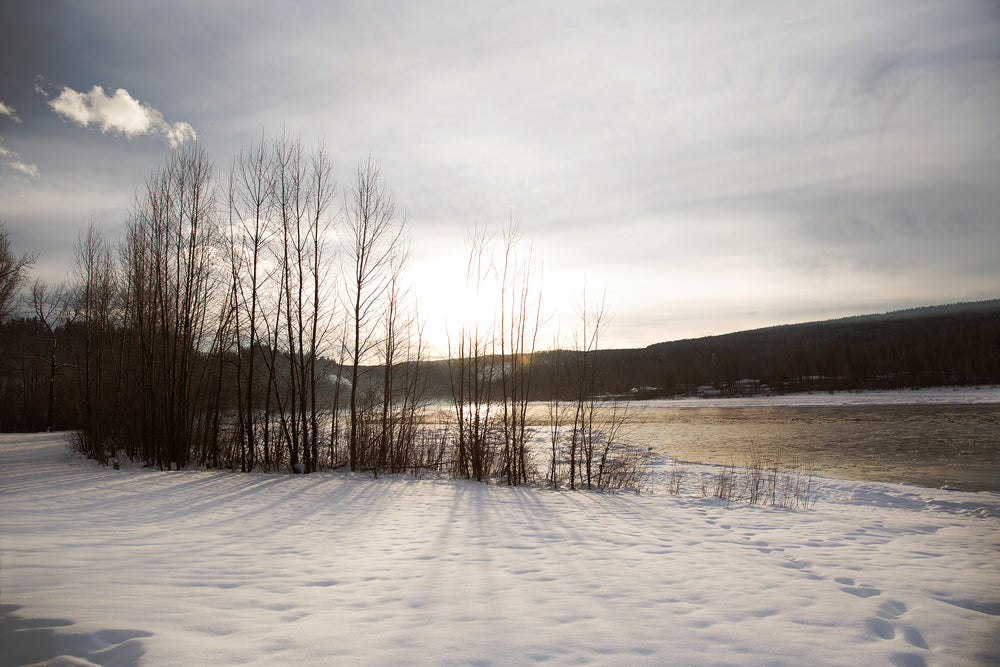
885, 624
862, 591
881, 628
891, 610
907, 660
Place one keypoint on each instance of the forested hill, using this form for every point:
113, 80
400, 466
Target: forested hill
957, 344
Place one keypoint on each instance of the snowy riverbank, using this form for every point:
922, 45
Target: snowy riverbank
196, 567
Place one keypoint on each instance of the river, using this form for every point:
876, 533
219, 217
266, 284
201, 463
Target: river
926, 438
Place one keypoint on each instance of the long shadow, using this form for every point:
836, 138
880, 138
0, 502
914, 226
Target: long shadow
29, 641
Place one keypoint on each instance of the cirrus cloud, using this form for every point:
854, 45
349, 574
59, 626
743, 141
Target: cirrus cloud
8, 157
118, 113
9, 112
14, 161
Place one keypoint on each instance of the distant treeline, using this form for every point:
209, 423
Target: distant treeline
938, 346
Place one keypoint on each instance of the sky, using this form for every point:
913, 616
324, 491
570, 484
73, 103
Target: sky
707, 167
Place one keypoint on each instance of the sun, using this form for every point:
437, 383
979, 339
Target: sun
449, 305
480, 305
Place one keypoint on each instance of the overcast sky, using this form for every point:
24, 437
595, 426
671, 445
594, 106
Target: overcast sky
715, 166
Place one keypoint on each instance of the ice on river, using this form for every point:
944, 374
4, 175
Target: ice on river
103, 566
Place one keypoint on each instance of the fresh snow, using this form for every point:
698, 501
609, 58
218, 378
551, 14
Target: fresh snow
104, 566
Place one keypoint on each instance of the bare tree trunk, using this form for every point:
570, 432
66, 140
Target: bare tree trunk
556, 410
520, 308
251, 202
96, 285
323, 190
53, 308
288, 190
374, 239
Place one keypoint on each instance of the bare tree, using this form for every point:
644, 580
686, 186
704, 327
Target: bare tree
585, 431
373, 241
556, 410
322, 188
53, 308
520, 318
400, 354
95, 281
471, 369
13, 273
304, 190
250, 195
290, 209
491, 362
393, 326
597, 455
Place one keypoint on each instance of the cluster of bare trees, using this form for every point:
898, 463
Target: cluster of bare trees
170, 323
586, 430
492, 378
100, 364
263, 321
225, 326
598, 430
383, 425
281, 301
490, 362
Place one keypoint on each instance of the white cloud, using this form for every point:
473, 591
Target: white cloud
178, 133
13, 160
118, 113
9, 112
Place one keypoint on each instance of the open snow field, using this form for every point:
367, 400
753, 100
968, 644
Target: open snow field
103, 566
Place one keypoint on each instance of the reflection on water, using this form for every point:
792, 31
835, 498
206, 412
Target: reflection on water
923, 444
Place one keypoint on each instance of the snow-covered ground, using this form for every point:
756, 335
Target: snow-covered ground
941, 396
111, 566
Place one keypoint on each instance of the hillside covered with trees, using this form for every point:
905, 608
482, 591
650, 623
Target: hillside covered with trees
937, 346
